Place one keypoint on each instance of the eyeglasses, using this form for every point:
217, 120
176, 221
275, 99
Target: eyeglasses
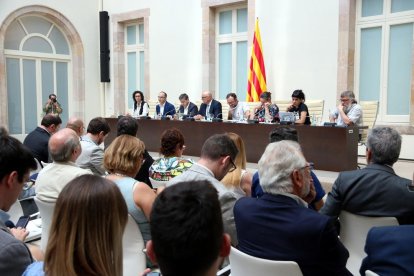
233, 166
159, 97
344, 100
309, 165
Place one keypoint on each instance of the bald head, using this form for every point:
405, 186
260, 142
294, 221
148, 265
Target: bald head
206, 97
77, 125
64, 146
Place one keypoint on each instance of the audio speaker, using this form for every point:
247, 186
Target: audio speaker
104, 45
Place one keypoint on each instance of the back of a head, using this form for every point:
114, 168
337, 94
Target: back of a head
170, 138
14, 156
98, 124
74, 124
240, 160
277, 163
51, 119
62, 144
86, 236
123, 154
187, 228
385, 145
217, 146
127, 125
283, 133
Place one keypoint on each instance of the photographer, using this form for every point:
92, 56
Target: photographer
52, 106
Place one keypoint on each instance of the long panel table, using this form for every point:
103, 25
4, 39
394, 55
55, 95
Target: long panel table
329, 148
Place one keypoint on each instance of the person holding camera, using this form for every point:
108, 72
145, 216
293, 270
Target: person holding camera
52, 106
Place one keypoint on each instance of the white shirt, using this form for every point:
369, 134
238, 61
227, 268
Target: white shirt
238, 112
136, 114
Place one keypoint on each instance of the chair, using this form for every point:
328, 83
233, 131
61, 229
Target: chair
46, 213
243, 265
354, 230
157, 183
134, 260
152, 104
315, 108
224, 109
370, 273
282, 104
369, 116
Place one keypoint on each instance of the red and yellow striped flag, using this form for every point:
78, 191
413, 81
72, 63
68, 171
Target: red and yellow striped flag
257, 74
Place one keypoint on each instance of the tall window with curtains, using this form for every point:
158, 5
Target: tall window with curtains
134, 60
384, 56
38, 58
231, 51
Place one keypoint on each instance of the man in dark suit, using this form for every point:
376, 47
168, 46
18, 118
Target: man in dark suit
279, 226
209, 107
163, 107
37, 140
389, 250
374, 190
186, 107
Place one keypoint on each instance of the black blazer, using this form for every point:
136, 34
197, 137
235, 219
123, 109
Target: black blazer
276, 227
372, 191
215, 109
192, 109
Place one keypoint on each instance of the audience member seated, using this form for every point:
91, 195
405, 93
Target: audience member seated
210, 108
92, 154
299, 106
389, 250
348, 112
64, 148
128, 125
187, 108
216, 160
164, 108
238, 110
16, 161
86, 231
187, 230
141, 107
239, 180
77, 125
38, 139
288, 133
122, 160
172, 164
279, 226
266, 111
374, 190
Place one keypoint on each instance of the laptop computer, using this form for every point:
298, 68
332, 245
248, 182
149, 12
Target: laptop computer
287, 117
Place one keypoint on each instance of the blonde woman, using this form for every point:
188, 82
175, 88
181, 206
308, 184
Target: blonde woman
85, 235
122, 160
239, 180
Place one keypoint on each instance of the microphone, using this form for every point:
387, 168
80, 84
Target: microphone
217, 119
164, 117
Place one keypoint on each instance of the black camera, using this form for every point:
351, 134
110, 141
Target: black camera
53, 100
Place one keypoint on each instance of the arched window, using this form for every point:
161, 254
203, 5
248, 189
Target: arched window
37, 59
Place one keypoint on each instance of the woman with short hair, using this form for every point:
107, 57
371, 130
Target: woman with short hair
298, 105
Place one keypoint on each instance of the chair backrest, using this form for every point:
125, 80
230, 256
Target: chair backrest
133, 243
369, 116
243, 265
354, 230
315, 108
370, 273
282, 104
224, 108
152, 104
46, 213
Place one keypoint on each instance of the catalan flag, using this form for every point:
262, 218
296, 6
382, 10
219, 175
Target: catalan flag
257, 74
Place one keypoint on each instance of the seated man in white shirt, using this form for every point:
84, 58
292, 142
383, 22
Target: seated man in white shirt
348, 112
238, 110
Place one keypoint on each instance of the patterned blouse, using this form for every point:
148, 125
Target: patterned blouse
163, 169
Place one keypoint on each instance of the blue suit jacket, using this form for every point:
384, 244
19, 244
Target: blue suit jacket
192, 109
276, 227
390, 250
215, 109
169, 109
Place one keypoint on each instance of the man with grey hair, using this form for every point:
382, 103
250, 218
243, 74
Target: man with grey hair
374, 190
64, 148
217, 158
279, 226
348, 112
210, 108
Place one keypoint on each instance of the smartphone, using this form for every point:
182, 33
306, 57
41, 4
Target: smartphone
23, 221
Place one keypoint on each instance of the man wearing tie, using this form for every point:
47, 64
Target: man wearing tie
210, 108
163, 107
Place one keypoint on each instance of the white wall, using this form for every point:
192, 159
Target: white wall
300, 44
84, 17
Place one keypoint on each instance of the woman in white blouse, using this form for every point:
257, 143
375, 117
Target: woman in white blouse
140, 106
